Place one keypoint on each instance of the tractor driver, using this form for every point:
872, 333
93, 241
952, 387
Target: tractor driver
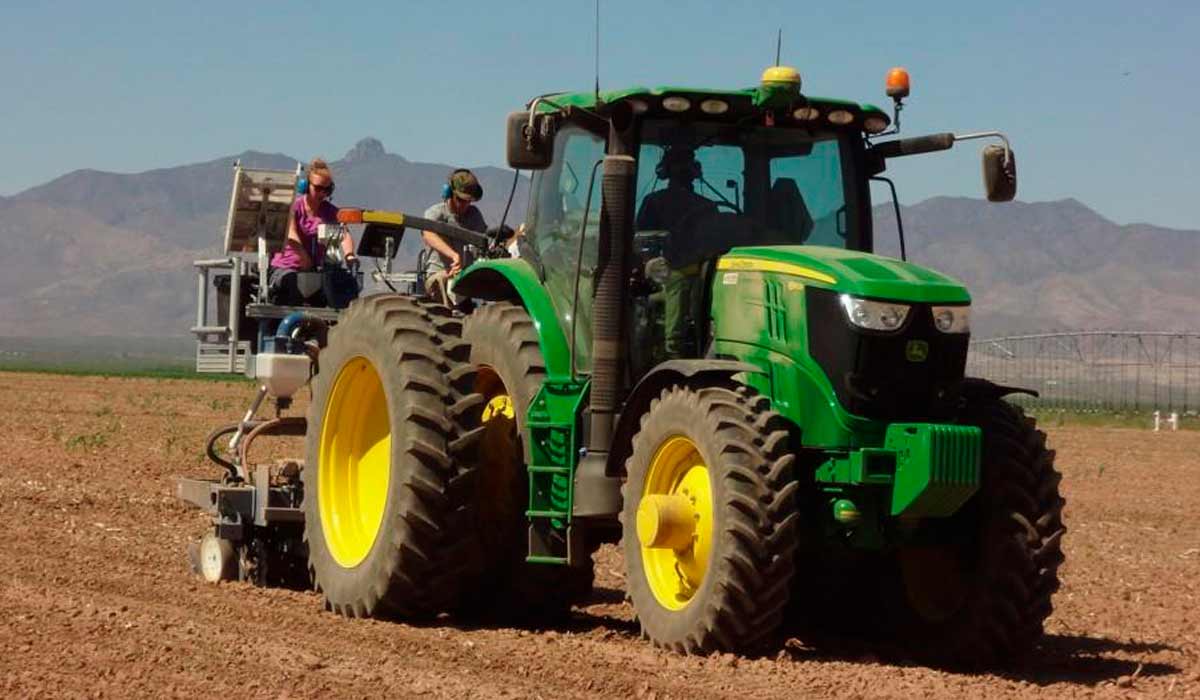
302, 250
675, 209
444, 258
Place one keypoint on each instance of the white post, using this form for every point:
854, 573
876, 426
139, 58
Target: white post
1157, 417
1173, 421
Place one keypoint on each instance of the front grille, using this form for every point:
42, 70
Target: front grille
871, 372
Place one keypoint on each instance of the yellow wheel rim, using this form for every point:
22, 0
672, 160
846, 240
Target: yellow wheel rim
355, 462
501, 460
500, 406
674, 552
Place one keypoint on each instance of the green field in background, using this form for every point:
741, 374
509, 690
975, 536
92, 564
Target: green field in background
164, 358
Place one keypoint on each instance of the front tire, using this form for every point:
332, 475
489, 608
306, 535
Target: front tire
710, 520
386, 526
981, 598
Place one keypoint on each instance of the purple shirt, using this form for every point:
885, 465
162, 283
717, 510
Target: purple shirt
306, 226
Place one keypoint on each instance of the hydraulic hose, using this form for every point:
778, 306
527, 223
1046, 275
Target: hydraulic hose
298, 326
210, 448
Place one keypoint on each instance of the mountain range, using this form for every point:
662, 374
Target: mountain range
104, 254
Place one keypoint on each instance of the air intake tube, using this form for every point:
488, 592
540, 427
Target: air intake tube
612, 273
597, 492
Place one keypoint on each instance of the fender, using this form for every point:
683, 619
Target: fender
649, 387
515, 280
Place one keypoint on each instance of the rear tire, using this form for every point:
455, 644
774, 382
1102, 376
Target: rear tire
722, 584
982, 600
509, 371
386, 523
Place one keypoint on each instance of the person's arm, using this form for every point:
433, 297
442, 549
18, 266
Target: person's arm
440, 245
293, 241
329, 215
348, 247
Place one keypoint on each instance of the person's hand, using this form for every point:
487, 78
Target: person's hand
455, 264
352, 264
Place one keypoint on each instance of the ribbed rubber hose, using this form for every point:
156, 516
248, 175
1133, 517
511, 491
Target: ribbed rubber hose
611, 274
210, 448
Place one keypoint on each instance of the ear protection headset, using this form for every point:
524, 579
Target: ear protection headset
447, 188
677, 162
302, 186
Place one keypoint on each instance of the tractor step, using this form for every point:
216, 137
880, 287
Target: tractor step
554, 451
550, 545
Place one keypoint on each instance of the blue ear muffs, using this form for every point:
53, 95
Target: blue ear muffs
302, 186
446, 191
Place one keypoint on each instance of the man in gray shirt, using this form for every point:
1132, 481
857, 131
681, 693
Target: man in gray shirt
445, 258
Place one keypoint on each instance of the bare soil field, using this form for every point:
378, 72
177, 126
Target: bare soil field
97, 600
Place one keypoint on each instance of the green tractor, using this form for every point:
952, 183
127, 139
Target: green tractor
695, 354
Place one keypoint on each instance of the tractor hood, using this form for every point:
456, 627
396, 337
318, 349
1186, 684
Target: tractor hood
850, 272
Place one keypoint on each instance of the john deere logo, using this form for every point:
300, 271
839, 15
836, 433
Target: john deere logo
916, 351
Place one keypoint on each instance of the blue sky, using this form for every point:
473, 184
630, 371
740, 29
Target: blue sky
1098, 97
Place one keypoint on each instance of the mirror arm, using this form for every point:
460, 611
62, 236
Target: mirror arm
989, 134
529, 132
529, 129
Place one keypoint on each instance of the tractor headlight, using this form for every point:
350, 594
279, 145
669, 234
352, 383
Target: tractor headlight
874, 315
952, 319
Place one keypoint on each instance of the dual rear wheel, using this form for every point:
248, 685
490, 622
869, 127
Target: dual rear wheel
415, 484
387, 522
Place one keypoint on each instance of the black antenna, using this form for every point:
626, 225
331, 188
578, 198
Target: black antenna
778, 45
597, 51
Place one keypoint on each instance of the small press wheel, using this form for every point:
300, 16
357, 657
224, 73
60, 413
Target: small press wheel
217, 559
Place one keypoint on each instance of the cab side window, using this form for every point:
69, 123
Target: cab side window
555, 225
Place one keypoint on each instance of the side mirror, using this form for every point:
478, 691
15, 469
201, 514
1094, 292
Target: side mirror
999, 176
530, 150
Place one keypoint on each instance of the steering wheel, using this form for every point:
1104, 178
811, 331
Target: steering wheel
686, 220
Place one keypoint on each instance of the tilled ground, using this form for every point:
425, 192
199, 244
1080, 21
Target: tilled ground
96, 598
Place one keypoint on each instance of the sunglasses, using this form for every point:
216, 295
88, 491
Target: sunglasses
327, 189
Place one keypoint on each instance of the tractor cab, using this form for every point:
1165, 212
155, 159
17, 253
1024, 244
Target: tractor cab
714, 170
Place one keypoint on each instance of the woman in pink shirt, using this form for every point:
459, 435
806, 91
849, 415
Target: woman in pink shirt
303, 251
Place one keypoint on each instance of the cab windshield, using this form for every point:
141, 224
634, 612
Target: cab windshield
705, 188
701, 190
